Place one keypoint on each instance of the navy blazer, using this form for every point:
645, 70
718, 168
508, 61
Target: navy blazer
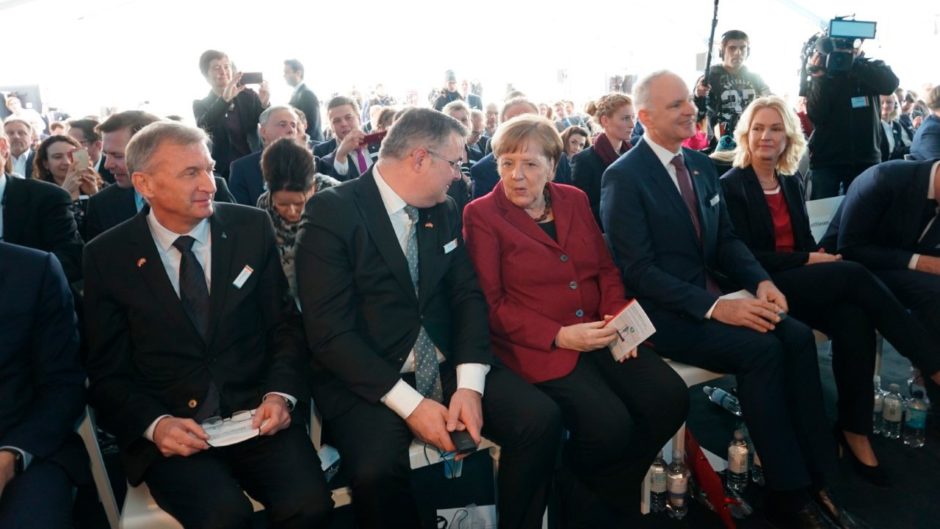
653, 240
352, 168
750, 216
245, 180
587, 167
926, 143
883, 214
42, 395
322, 149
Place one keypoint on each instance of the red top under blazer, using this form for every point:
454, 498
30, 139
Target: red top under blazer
534, 285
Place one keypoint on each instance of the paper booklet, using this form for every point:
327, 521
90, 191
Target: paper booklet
633, 328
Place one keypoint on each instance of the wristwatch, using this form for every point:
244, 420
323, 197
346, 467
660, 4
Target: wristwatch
17, 460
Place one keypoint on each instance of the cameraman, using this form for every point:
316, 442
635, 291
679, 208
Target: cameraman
730, 86
844, 107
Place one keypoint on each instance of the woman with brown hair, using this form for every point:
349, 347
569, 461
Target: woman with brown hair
614, 112
54, 163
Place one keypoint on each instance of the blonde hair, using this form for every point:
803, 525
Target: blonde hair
607, 105
513, 136
789, 160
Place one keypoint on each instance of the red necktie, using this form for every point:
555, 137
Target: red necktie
361, 160
687, 192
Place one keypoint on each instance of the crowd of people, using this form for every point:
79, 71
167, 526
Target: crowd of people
424, 270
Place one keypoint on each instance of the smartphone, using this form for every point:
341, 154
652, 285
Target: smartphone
463, 442
80, 157
375, 138
251, 78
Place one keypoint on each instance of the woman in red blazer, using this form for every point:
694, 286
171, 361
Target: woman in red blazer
551, 285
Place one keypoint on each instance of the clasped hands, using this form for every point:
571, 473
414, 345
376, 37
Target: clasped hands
761, 314
177, 436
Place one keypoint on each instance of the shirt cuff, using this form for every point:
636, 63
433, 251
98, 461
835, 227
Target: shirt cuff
291, 400
472, 376
912, 264
24, 455
402, 399
341, 168
148, 433
708, 315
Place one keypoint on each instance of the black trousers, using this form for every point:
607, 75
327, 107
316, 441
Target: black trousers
619, 415
39, 497
847, 302
778, 387
374, 442
834, 180
280, 471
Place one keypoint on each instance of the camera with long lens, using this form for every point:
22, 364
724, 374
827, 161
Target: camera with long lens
839, 43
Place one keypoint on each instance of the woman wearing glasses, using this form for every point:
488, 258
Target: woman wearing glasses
551, 287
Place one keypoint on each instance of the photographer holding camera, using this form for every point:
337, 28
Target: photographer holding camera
843, 90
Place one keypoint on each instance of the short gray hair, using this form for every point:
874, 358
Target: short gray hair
143, 144
419, 127
18, 119
456, 104
641, 92
266, 115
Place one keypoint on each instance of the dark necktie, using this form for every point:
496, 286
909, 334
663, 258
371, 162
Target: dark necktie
195, 297
687, 192
193, 290
427, 371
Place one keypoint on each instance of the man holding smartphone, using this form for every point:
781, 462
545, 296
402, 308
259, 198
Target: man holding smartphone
354, 153
229, 114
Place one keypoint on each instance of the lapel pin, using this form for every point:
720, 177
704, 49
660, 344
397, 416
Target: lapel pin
224, 236
141, 262
694, 173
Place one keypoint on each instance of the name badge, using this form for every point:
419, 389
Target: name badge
243, 276
451, 246
715, 200
859, 102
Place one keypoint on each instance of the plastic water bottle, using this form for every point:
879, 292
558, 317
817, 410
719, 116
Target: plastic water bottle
659, 495
677, 482
737, 463
892, 413
915, 421
877, 420
757, 471
724, 399
916, 383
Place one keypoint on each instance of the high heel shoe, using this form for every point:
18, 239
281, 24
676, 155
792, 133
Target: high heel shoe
875, 475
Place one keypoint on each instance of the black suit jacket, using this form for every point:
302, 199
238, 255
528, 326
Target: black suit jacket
750, 216
361, 313
883, 214
587, 168
653, 239
210, 116
36, 214
307, 102
113, 205
42, 395
146, 358
245, 179
322, 149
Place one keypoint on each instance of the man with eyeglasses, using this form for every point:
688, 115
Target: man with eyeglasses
397, 327
84, 131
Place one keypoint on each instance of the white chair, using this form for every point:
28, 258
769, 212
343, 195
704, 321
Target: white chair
98, 471
820, 213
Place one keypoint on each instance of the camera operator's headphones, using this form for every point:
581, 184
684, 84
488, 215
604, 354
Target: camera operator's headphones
733, 34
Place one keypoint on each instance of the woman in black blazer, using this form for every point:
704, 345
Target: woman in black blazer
614, 112
841, 298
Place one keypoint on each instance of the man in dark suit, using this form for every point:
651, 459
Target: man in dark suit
85, 132
20, 136
119, 202
303, 98
889, 224
229, 114
926, 141
245, 179
36, 214
351, 156
671, 236
397, 326
43, 392
189, 319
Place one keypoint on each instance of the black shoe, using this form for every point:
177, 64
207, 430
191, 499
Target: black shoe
876, 475
837, 516
809, 517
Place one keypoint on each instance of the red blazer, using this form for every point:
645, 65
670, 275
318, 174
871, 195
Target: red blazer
534, 285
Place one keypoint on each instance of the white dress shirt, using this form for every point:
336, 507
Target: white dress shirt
19, 163
342, 166
403, 398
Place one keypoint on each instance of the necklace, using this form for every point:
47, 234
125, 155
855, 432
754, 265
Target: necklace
774, 183
547, 210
